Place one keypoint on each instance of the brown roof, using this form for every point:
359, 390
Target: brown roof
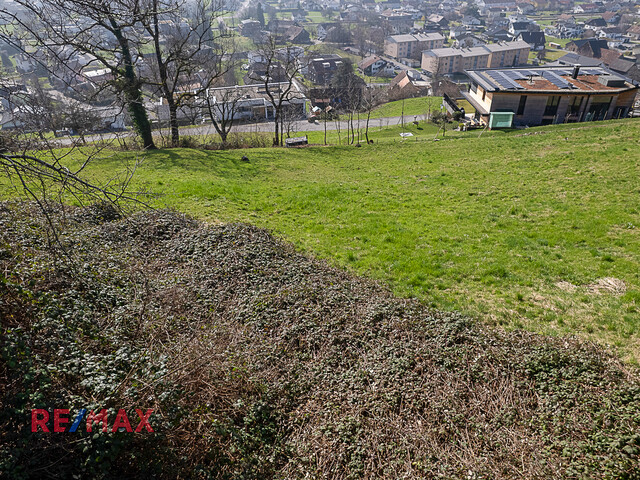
635, 29
401, 79
293, 32
587, 83
367, 62
609, 56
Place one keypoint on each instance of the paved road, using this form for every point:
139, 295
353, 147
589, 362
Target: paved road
303, 125
396, 64
262, 127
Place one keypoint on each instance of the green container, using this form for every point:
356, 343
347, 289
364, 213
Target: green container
501, 119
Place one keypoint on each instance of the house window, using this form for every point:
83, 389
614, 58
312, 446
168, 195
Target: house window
521, 105
599, 107
484, 94
552, 106
574, 105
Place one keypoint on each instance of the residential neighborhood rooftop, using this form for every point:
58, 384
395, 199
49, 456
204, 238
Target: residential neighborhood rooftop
548, 79
420, 37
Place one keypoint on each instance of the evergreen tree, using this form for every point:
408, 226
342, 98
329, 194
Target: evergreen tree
260, 14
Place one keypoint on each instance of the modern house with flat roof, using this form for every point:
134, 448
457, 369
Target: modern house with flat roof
251, 102
548, 95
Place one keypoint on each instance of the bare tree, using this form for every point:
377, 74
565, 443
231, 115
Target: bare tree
290, 117
222, 107
348, 87
430, 104
36, 110
187, 52
371, 98
39, 170
282, 64
53, 32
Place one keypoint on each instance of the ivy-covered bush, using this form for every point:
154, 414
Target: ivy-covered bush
259, 362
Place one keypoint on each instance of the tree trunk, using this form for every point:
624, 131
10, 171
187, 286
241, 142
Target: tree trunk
353, 132
139, 118
276, 137
132, 91
281, 129
325, 128
366, 130
173, 121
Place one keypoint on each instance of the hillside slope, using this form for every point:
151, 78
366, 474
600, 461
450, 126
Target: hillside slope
535, 229
260, 362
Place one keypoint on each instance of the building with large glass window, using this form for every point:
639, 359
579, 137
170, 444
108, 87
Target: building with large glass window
547, 95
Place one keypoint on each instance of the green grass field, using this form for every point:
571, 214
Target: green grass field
560, 41
412, 106
535, 229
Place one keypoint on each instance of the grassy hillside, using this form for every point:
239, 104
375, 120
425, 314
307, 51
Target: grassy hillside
261, 363
412, 106
535, 229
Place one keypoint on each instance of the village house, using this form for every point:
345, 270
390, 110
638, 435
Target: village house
587, 8
375, 66
439, 20
296, 35
458, 31
497, 34
526, 8
505, 4
252, 102
633, 32
612, 18
320, 70
516, 28
536, 40
468, 41
589, 47
279, 25
398, 21
576, 59
471, 23
548, 95
407, 84
250, 28
496, 5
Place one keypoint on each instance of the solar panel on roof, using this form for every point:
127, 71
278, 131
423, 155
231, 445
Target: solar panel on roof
504, 81
494, 76
511, 81
557, 80
514, 75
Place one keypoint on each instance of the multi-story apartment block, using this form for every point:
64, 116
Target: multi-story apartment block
442, 61
410, 45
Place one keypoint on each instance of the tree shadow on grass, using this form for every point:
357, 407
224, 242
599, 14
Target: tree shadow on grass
221, 163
